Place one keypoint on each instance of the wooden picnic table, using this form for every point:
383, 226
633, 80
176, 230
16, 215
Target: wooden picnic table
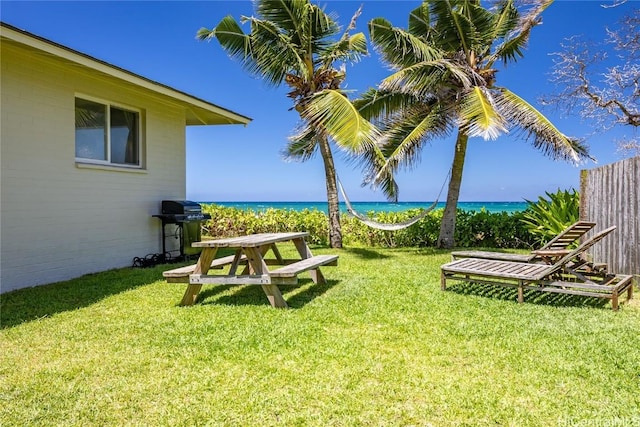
256, 269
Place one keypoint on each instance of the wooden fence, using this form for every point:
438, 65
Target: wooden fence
610, 195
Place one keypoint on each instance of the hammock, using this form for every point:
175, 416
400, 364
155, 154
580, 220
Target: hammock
384, 225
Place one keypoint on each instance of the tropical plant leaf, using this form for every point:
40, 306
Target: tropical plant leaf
483, 26
350, 49
549, 216
419, 21
454, 28
234, 41
322, 28
400, 48
505, 20
514, 30
332, 111
547, 137
377, 175
274, 56
303, 145
304, 22
426, 78
405, 135
402, 143
290, 15
378, 105
358, 43
478, 115
257, 51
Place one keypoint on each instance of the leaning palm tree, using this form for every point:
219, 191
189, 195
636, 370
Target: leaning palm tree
444, 80
296, 43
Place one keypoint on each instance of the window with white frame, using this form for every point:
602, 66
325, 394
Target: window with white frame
107, 134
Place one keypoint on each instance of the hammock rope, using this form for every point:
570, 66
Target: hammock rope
385, 225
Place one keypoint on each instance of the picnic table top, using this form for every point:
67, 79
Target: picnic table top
252, 240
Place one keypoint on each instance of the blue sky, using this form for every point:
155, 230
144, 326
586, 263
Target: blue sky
237, 163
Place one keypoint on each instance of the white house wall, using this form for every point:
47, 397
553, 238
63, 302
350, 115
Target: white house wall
60, 220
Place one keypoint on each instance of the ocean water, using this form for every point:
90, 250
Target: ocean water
365, 207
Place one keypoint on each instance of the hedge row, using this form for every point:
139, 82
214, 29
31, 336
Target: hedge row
473, 229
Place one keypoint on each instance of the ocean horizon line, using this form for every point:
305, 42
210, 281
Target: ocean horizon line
355, 201
371, 206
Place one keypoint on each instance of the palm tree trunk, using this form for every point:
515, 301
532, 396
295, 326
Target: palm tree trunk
335, 229
448, 225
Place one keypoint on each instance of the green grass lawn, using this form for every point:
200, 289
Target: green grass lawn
379, 345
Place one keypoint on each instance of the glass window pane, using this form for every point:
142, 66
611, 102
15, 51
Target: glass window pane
91, 141
124, 137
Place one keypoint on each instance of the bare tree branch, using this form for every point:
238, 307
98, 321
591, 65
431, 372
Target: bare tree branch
614, 3
605, 95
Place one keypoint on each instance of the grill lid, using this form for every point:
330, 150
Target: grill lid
180, 207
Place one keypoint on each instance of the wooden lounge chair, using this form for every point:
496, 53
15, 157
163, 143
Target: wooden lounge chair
564, 276
561, 242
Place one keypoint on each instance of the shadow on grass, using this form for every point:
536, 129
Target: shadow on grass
296, 296
488, 249
366, 253
37, 302
530, 296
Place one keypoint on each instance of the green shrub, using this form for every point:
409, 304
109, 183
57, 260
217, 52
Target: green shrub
546, 218
473, 229
494, 230
228, 222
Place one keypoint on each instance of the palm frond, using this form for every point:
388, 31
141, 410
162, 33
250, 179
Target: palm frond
265, 52
546, 137
379, 177
358, 43
376, 175
427, 77
288, 14
531, 18
401, 145
377, 105
305, 25
323, 28
301, 20
511, 49
273, 53
398, 47
303, 145
231, 37
349, 49
483, 24
332, 111
479, 116
420, 22
505, 20
404, 137
454, 28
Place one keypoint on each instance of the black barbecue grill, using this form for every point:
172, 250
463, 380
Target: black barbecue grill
185, 217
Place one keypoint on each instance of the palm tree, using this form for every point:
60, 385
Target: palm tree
444, 80
296, 43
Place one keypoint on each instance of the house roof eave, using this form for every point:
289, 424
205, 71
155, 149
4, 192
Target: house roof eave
199, 111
